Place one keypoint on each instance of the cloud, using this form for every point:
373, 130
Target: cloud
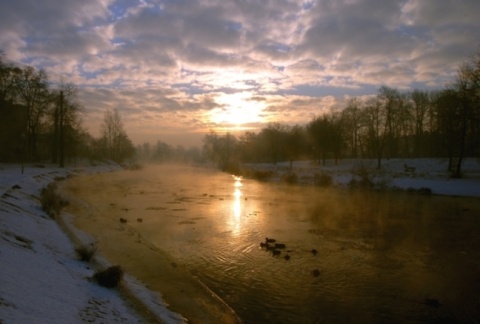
167, 65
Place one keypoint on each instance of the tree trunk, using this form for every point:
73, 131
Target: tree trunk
62, 132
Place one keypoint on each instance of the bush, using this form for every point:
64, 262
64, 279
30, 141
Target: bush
110, 277
86, 252
362, 175
52, 202
323, 180
261, 175
425, 191
290, 178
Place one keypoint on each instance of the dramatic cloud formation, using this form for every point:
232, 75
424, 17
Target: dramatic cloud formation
177, 68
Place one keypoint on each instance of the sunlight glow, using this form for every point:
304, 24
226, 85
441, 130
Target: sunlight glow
237, 109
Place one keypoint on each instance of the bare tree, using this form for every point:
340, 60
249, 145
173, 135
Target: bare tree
351, 123
271, 139
467, 112
116, 143
65, 119
294, 142
8, 75
221, 149
33, 93
421, 108
376, 122
390, 101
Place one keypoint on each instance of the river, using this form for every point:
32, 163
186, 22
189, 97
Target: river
353, 255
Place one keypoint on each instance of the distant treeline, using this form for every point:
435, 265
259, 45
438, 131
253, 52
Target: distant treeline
163, 152
392, 124
40, 122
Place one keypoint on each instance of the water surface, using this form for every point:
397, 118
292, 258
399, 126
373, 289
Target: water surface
381, 257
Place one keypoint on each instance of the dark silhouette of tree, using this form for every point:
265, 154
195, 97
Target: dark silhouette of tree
221, 150
421, 105
116, 144
390, 103
319, 131
32, 90
467, 110
65, 120
294, 143
376, 121
447, 123
351, 125
8, 75
271, 141
326, 136
248, 147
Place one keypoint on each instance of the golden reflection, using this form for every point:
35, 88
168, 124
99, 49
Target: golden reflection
237, 205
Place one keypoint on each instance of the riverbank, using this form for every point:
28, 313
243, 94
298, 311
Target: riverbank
41, 278
106, 208
427, 175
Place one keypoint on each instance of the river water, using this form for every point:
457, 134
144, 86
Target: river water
380, 257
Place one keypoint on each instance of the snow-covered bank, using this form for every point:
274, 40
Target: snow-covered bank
41, 279
420, 173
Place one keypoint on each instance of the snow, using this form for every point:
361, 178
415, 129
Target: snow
42, 281
429, 173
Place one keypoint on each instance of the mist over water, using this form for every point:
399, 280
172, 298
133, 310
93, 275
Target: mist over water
381, 257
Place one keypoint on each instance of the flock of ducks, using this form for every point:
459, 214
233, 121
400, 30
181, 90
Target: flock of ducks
271, 245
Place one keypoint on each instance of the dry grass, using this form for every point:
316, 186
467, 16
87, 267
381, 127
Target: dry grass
110, 277
52, 202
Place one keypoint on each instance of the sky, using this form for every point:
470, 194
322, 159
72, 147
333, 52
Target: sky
176, 69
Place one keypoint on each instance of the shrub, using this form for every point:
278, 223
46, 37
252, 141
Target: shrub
363, 174
290, 178
323, 180
109, 277
261, 175
86, 252
52, 202
425, 191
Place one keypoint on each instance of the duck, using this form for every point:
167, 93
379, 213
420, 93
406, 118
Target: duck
314, 252
264, 245
286, 257
270, 247
270, 240
276, 252
123, 220
280, 246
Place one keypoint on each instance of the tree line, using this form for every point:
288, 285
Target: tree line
40, 122
392, 124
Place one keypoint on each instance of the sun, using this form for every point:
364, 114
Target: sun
237, 109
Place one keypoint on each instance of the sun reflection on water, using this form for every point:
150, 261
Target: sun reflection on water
237, 205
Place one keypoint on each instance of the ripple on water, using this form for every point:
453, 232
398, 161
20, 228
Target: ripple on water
379, 255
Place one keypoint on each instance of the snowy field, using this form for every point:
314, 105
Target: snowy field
42, 280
